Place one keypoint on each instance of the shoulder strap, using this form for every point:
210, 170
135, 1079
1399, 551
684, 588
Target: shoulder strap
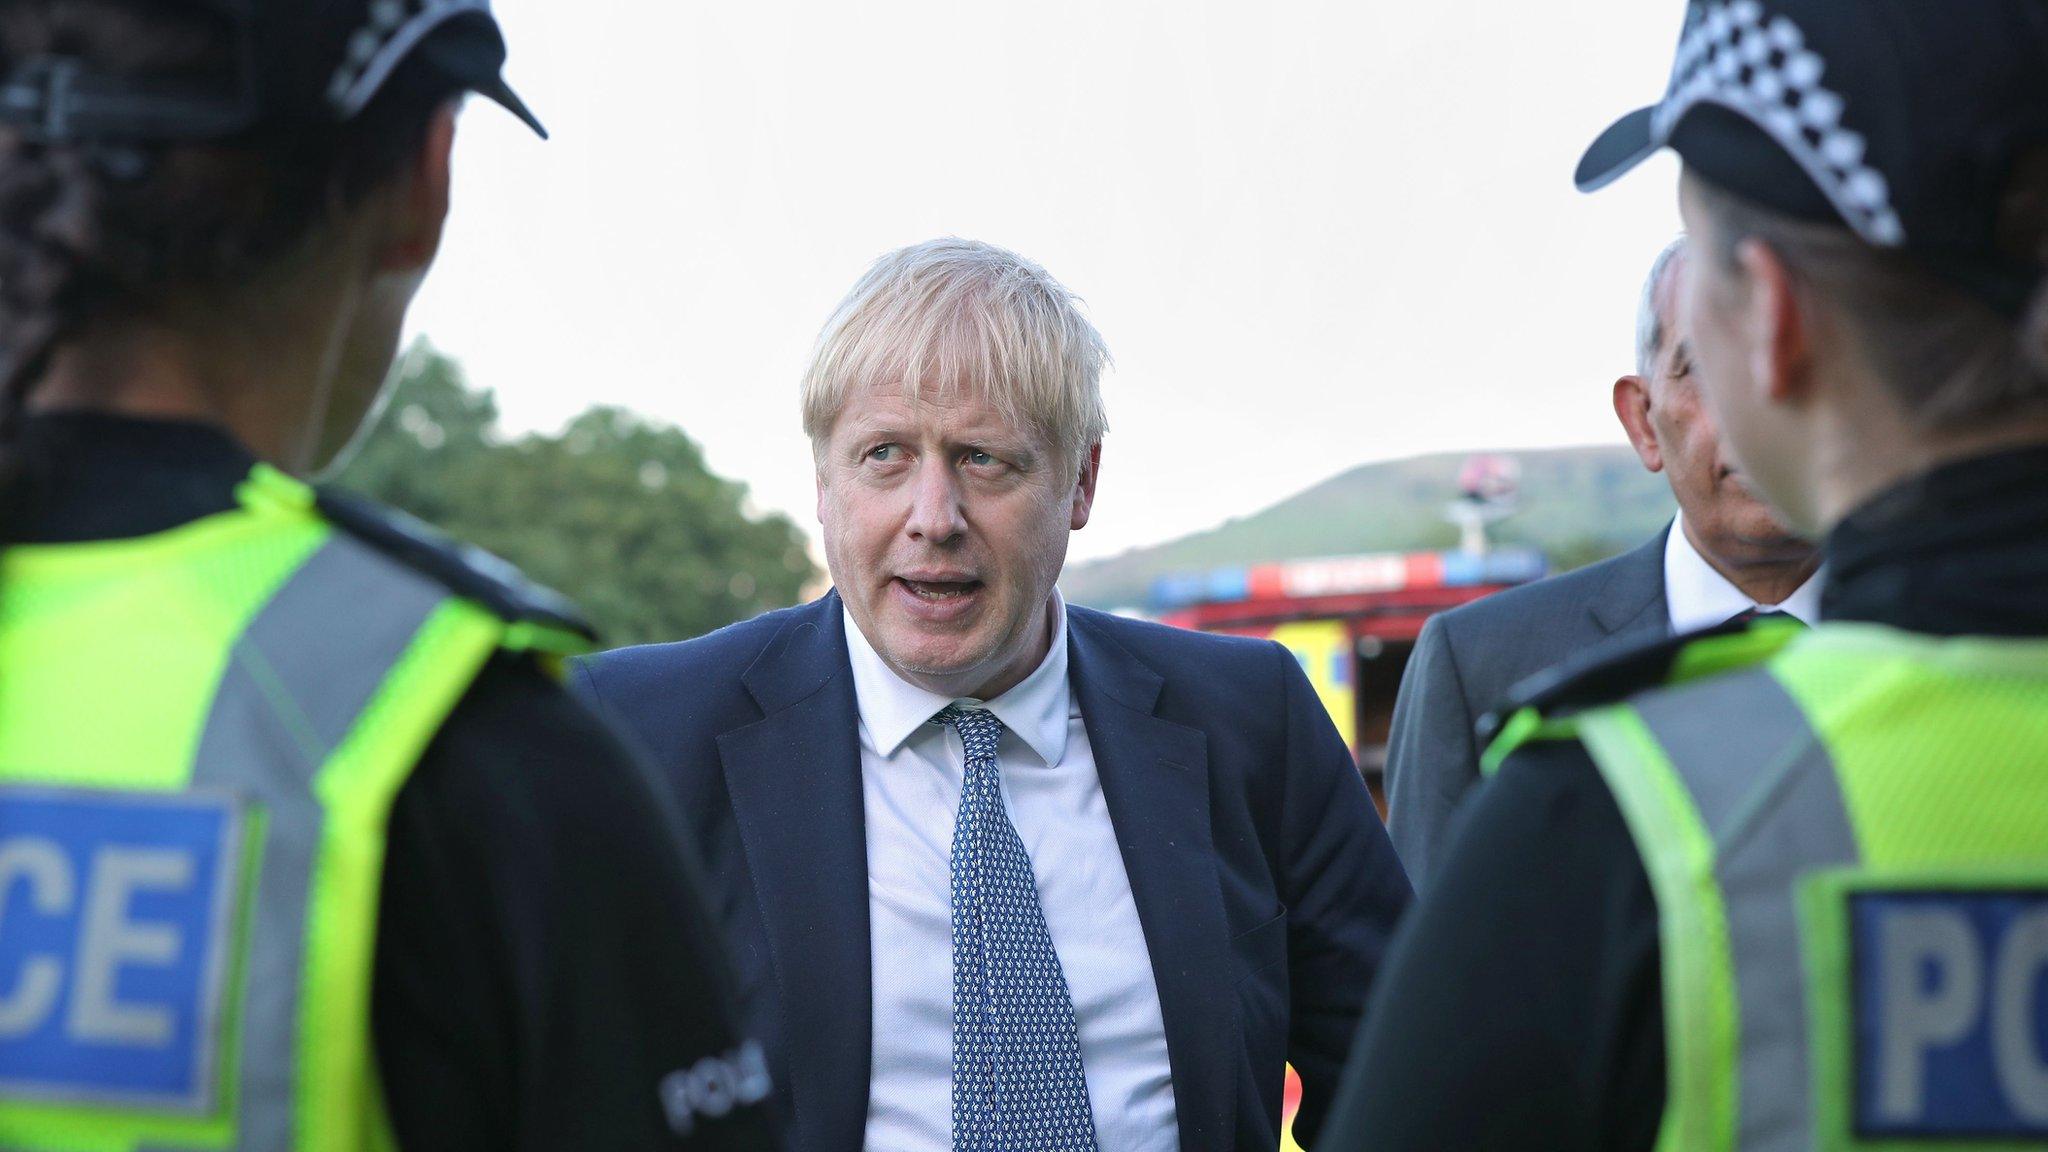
539, 618
1542, 706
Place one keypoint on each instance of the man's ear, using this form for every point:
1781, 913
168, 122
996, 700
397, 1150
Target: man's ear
1084, 488
1776, 327
419, 204
1632, 408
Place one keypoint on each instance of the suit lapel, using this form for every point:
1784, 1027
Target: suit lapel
1155, 782
1631, 604
795, 781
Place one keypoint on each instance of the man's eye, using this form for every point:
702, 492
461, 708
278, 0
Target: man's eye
884, 453
980, 459
1681, 369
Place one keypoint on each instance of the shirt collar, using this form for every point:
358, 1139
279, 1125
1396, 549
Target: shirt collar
1698, 596
1037, 709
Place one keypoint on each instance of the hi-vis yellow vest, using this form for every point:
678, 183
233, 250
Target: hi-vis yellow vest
1847, 835
201, 735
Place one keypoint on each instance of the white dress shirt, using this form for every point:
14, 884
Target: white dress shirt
1698, 596
910, 782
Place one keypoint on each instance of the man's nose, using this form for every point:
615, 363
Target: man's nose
936, 513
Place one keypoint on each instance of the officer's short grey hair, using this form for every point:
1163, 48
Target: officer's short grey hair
957, 315
1651, 323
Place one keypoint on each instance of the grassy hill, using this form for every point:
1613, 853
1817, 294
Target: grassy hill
1578, 504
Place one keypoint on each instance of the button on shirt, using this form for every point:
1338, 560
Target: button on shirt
911, 772
1698, 596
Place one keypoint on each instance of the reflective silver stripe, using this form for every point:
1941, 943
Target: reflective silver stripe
1765, 788
298, 677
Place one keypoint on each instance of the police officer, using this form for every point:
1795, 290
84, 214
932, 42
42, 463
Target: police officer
1764, 889
301, 844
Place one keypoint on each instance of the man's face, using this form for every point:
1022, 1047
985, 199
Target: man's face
1767, 443
945, 528
1727, 519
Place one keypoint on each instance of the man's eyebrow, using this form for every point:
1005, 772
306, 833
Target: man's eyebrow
1006, 443
869, 427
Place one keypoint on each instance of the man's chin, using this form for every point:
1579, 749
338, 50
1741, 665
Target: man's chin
1761, 526
1749, 516
932, 657
1772, 543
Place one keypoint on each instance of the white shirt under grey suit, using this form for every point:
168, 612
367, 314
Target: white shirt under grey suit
911, 772
1697, 596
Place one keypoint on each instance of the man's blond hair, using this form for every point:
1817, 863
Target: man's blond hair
950, 316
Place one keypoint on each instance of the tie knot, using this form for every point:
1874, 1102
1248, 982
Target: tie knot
979, 729
1754, 615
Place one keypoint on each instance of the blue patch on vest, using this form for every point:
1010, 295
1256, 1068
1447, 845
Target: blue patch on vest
1950, 1002
116, 912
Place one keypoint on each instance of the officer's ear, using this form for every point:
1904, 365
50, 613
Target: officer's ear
1776, 326
417, 209
1632, 408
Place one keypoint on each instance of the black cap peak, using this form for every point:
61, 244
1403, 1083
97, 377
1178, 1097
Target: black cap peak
1900, 119
298, 62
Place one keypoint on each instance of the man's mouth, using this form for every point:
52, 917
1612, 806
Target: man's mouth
938, 591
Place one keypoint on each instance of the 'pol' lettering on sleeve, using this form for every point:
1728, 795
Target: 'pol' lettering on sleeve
1950, 1007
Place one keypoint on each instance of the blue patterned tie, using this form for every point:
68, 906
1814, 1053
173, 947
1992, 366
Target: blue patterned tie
1017, 1080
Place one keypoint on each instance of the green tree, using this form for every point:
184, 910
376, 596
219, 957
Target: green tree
618, 512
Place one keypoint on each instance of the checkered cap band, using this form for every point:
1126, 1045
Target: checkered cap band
1731, 55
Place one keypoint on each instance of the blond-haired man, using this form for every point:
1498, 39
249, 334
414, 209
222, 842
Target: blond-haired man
1005, 873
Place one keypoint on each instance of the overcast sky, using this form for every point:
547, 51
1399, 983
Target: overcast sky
1314, 234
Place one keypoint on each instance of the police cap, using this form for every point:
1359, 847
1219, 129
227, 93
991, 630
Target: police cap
1901, 119
298, 64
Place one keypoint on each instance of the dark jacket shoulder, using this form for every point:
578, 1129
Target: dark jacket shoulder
667, 696
711, 658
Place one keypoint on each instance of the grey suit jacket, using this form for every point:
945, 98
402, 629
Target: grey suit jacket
1467, 659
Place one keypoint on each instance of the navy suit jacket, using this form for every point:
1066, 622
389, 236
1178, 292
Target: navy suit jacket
1265, 885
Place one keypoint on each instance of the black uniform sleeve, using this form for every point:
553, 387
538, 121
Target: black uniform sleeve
547, 975
1520, 1006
